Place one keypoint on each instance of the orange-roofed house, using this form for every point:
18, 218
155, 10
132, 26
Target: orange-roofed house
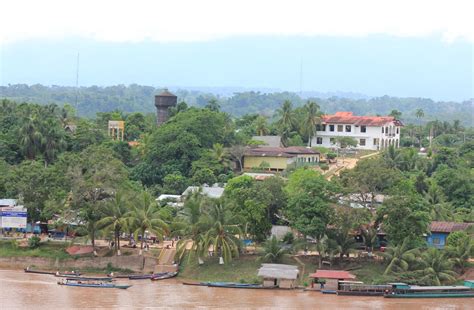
331, 277
370, 132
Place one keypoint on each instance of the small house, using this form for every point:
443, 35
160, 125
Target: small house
331, 278
279, 158
279, 275
441, 230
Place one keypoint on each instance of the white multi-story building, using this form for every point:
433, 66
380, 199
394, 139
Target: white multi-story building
370, 132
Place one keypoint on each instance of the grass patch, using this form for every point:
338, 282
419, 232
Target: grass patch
45, 249
243, 269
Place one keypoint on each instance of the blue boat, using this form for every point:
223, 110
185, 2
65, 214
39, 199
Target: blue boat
402, 290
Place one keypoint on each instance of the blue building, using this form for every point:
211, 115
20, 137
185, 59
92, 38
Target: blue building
441, 230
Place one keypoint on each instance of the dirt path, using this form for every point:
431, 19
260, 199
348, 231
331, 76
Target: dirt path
346, 163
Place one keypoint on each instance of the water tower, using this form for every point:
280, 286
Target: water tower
163, 102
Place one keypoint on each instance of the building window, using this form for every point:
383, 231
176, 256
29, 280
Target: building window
340, 128
398, 130
376, 141
362, 142
386, 130
437, 241
319, 140
331, 127
332, 140
320, 127
363, 129
348, 128
382, 129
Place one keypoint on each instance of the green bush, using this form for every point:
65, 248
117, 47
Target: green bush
288, 238
325, 167
34, 242
331, 155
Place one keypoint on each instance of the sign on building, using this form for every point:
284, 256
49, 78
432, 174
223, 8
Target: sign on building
13, 217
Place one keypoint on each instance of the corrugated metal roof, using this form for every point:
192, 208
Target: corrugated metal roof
438, 226
332, 274
8, 202
288, 152
278, 271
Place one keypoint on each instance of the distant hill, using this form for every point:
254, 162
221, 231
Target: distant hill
138, 98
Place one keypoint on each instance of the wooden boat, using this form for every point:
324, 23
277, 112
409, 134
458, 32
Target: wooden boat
352, 288
94, 284
163, 276
28, 270
402, 290
329, 291
82, 278
145, 276
195, 283
121, 276
238, 285
67, 274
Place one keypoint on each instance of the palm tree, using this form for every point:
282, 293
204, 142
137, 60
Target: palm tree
399, 257
30, 138
222, 233
261, 126
273, 251
213, 105
369, 235
193, 224
440, 210
343, 242
312, 118
460, 253
220, 154
396, 114
115, 218
52, 140
287, 120
419, 113
323, 248
436, 267
145, 217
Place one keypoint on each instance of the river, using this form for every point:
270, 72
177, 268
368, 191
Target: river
19, 290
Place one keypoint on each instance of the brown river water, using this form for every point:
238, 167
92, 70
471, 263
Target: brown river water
19, 290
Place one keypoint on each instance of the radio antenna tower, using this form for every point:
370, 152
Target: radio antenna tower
77, 80
301, 77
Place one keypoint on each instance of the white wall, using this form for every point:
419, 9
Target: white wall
372, 132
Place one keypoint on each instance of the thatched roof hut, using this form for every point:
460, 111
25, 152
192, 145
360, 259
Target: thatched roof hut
283, 276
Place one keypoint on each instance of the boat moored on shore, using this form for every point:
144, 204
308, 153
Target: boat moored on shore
91, 283
403, 290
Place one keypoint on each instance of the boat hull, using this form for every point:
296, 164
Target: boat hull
165, 276
123, 287
40, 272
421, 295
355, 293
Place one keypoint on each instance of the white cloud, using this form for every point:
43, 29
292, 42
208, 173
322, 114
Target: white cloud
179, 20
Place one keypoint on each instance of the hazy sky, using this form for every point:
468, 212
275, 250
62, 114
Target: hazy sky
415, 46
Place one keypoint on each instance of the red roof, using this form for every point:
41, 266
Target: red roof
348, 118
448, 227
332, 274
